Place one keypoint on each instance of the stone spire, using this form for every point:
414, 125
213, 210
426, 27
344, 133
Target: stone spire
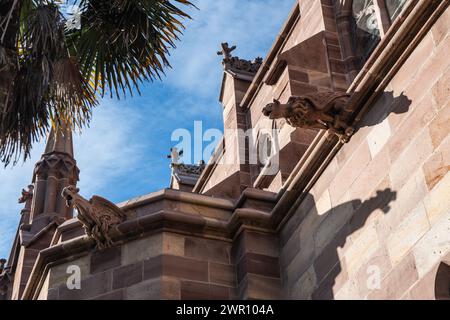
60, 141
44, 207
56, 169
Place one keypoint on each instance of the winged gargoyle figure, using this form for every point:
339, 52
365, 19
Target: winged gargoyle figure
97, 215
321, 110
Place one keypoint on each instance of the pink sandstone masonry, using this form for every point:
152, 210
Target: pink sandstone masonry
366, 219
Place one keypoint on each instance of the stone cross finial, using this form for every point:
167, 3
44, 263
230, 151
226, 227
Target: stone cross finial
175, 155
226, 51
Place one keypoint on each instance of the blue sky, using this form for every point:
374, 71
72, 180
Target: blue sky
123, 153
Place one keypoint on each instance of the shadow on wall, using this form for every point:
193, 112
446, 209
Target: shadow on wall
390, 104
327, 265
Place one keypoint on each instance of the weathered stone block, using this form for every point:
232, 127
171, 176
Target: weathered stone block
304, 287
128, 275
424, 288
141, 249
332, 225
435, 244
257, 264
397, 282
437, 166
207, 250
407, 199
441, 90
93, 286
147, 290
349, 172
441, 28
410, 160
378, 265
115, 295
191, 290
105, 259
303, 260
378, 137
407, 234
290, 249
260, 288
437, 201
173, 244
331, 283
361, 248
418, 116
331, 255
222, 274
185, 268
59, 275
440, 126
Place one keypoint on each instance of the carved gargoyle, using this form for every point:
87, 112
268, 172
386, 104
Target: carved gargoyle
97, 215
5, 278
322, 110
26, 194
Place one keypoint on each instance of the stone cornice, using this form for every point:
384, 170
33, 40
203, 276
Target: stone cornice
225, 227
170, 194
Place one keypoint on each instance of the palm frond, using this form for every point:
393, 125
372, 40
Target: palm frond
124, 42
49, 73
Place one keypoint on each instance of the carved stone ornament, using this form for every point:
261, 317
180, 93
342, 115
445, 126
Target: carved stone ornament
60, 163
189, 169
236, 64
27, 195
5, 278
321, 110
97, 215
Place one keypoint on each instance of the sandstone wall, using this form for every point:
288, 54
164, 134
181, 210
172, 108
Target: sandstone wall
172, 266
382, 206
163, 266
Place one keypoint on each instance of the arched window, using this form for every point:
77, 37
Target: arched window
365, 29
442, 282
264, 149
366, 21
394, 7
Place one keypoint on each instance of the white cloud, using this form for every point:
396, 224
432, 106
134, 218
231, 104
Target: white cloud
107, 149
103, 152
250, 24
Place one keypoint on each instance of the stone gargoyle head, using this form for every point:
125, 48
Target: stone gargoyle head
70, 193
276, 110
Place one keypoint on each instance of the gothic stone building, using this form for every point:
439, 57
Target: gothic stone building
358, 208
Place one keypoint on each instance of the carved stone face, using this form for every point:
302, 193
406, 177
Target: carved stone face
69, 193
272, 110
2, 264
